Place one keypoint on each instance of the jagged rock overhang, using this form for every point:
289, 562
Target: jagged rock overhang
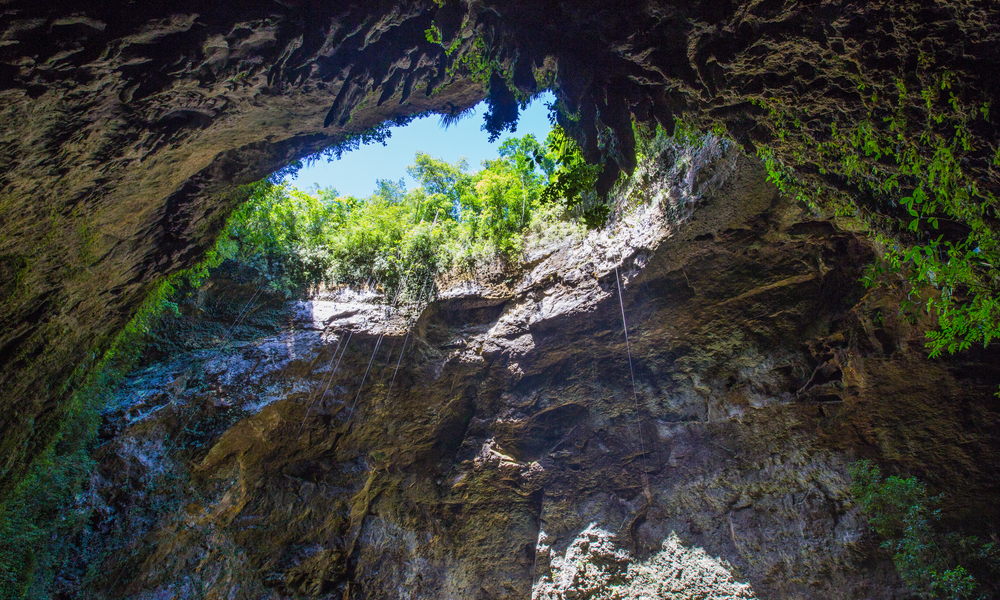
126, 130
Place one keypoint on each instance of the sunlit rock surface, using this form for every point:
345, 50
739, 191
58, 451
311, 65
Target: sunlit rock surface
508, 457
593, 567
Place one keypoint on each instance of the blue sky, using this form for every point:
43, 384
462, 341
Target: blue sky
356, 172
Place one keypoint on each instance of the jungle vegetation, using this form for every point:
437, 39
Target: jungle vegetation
454, 220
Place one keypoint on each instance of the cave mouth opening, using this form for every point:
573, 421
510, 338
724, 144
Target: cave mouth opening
205, 99
435, 196
356, 172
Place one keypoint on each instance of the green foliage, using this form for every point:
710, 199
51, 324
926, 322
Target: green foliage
499, 209
395, 237
281, 232
968, 310
45, 507
938, 227
443, 184
901, 512
386, 241
433, 35
478, 61
571, 178
783, 178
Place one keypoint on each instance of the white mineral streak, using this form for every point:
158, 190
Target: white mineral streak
595, 568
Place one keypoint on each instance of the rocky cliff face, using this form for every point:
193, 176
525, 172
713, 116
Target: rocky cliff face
126, 129
521, 449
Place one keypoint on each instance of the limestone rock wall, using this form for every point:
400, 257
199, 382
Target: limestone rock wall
509, 458
126, 128
125, 131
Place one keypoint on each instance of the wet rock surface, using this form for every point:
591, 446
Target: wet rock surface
509, 456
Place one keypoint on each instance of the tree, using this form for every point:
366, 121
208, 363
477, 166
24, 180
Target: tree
441, 180
901, 511
571, 178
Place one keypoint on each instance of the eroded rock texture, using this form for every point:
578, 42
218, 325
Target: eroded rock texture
125, 128
509, 456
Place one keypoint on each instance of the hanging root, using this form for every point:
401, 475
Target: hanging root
635, 395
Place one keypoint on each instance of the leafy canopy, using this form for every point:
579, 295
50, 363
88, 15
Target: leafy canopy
396, 237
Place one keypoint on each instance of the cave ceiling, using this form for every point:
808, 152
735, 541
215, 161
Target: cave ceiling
127, 129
